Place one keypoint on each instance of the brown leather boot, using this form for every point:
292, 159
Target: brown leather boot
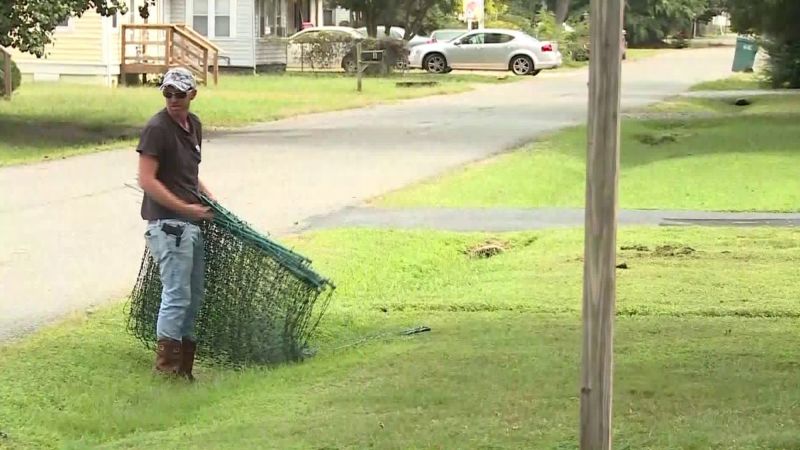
168, 357
187, 358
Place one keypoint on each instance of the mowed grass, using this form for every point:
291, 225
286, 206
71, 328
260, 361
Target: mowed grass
46, 121
706, 339
634, 54
712, 156
740, 81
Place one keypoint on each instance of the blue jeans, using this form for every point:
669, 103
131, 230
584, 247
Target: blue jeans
177, 247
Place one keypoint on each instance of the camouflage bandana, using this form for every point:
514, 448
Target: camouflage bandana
179, 78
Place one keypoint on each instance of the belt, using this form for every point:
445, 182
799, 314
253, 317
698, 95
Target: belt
156, 221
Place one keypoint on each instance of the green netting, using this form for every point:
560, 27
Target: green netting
262, 300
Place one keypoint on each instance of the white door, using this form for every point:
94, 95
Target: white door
466, 52
496, 51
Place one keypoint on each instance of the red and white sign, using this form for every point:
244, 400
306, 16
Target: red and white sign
473, 10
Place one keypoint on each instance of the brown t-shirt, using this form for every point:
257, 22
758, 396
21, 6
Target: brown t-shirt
178, 153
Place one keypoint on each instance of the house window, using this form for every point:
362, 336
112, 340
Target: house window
200, 17
269, 18
222, 18
64, 23
213, 18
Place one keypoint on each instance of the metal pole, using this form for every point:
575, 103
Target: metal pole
602, 168
359, 69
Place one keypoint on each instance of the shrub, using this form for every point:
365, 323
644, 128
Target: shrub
321, 50
16, 77
783, 63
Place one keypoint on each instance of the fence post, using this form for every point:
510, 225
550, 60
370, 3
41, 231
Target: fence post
216, 67
359, 69
205, 66
168, 49
122, 75
7, 76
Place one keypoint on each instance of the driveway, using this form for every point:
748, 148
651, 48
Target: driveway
70, 232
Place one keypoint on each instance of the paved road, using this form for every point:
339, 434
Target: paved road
70, 236
520, 219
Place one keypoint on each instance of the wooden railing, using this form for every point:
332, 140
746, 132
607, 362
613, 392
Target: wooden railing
7, 76
155, 48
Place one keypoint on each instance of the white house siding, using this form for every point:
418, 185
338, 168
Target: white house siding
271, 49
236, 51
270, 54
166, 12
337, 15
177, 11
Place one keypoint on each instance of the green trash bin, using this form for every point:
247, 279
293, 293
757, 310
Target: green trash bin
745, 56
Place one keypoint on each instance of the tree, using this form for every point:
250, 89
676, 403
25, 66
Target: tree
28, 25
562, 10
413, 15
776, 22
652, 20
773, 17
418, 14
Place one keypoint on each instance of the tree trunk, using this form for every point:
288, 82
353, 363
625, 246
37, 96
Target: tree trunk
562, 11
371, 23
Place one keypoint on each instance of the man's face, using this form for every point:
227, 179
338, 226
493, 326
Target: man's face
177, 101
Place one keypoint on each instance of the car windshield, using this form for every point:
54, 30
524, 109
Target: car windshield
447, 35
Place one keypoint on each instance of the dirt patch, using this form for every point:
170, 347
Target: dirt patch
661, 250
671, 250
654, 139
487, 249
638, 248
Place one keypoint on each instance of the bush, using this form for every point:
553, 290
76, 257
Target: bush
395, 53
16, 77
547, 27
783, 64
575, 45
321, 50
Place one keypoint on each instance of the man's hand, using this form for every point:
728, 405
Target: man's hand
148, 167
197, 212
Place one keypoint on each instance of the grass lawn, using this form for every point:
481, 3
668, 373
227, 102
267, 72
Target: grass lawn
728, 158
705, 358
634, 54
55, 120
741, 81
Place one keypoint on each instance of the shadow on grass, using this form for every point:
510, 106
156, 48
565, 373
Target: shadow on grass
22, 132
24, 139
653, 141
509, 379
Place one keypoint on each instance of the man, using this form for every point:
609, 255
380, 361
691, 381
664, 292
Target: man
169, 158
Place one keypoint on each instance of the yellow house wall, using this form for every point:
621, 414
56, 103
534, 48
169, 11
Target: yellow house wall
79, 42
86, 50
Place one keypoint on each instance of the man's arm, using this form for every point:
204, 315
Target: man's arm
148, 167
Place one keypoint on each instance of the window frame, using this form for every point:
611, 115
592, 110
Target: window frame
211, 15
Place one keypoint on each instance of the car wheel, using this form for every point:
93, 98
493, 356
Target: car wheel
349, 65
521, 65
435, 63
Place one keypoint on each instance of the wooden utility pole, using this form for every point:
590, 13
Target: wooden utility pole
599, 279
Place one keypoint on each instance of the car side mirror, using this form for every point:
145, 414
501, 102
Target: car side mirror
457, 43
